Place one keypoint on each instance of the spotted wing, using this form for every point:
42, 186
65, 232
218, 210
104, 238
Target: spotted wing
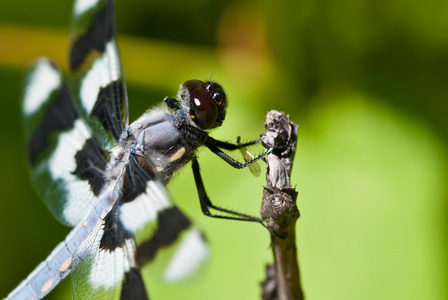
96, 75
67, 166
142, 223
70, 127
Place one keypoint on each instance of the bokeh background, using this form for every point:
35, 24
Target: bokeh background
366, 80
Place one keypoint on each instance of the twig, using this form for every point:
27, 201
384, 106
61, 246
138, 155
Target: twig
279, 209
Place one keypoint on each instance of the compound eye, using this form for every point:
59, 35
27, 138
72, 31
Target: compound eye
205, 108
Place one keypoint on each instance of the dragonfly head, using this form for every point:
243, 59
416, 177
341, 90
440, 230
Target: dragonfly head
207, 102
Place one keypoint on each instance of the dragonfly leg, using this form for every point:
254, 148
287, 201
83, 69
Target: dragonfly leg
206, 203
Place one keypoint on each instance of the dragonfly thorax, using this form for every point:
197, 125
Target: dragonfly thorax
160, 138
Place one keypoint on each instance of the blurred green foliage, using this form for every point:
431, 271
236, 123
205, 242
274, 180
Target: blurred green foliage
366, 82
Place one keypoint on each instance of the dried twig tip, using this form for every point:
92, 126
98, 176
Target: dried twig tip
279, 208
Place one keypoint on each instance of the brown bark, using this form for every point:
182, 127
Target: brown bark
279, 209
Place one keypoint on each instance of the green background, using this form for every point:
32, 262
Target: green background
366, 80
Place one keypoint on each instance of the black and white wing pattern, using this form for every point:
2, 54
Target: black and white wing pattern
96, 75
123, 218
141, 224
67, 166
70, 130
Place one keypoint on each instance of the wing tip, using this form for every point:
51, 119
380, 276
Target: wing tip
188, 258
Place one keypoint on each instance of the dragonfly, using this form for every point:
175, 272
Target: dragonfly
106, 177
